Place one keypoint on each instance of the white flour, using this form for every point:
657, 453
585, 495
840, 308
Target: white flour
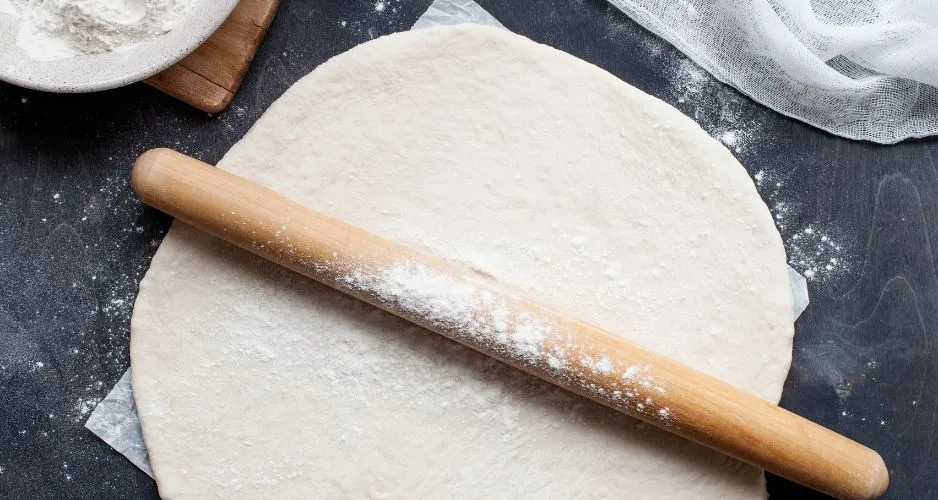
815, 248
456, 306
477, 317
698, 94
59, 29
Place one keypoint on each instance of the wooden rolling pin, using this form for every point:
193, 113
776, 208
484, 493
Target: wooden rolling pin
480, 313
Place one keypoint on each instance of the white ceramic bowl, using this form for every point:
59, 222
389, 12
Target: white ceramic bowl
87, 73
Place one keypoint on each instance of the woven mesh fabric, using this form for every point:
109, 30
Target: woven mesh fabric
861, 69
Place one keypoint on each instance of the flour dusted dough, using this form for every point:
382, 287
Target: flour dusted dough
488, 149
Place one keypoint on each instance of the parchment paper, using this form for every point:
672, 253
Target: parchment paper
114, 419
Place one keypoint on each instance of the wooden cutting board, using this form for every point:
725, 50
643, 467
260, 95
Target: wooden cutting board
210, 76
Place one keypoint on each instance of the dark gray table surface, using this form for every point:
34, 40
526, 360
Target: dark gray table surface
74, 242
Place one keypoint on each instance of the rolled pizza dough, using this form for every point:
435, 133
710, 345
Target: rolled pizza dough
488, 149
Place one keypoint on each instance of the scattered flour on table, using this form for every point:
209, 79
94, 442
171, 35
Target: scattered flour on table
58, 29
814, 250
382, 6
83, 407
817, 254
369, 25
718, 108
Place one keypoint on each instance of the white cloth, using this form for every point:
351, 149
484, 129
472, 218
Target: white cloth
861, 69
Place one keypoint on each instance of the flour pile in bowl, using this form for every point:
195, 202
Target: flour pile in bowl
58, 29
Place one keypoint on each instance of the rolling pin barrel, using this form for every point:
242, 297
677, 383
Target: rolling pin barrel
498, 321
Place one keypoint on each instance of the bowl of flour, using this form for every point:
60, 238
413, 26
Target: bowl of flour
88, 45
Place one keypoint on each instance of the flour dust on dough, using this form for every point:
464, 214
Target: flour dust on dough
487, 149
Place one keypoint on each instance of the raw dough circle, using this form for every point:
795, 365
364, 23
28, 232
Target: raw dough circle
486, 148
